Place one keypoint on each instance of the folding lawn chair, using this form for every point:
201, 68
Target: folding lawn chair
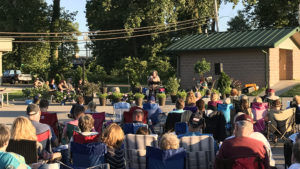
131, 128
52, 121
181, 128
26, 148
119, 109
99, 119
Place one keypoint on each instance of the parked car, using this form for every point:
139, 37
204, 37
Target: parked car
16, 76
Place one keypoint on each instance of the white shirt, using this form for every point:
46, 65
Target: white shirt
295, 166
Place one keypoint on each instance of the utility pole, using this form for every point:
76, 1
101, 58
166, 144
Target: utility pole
216, 16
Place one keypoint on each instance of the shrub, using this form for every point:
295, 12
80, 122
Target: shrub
103, 95
172, 85
161, 95
182, 94
139, 96
223, 84
90, 88
202, 67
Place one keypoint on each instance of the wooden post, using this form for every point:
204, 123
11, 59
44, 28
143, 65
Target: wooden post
216, 15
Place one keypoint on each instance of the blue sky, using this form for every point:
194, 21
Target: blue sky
226, 12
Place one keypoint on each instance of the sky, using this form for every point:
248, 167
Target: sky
226, 12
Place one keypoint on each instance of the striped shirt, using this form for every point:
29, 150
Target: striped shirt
115, 158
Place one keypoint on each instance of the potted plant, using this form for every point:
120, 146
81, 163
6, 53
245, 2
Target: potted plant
139, 99
223, 84
89, 89
161, 99
116, 97
130, 97
102, 99
182, 95
172, 86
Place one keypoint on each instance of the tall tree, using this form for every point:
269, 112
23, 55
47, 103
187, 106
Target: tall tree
239, 23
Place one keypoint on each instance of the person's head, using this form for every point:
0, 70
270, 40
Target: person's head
200, 105
243, 126
78, 111
196, 122
198, 95
113, 136
276, 105
244, 104
4, 137
296, 151
61, 82
179, 104
33, 111
297, 99
202, 79
52, 81
169, 141
86, 123
44, 104
22, 129
234, 92
154, 73
138, 115
185, 116
271, 92
244, 97
143, 131
151, 99
47, 83
92, 106
80, 100
80, 81
207, 92
214, 97
257, 99
227, 101
190, 98
36, 99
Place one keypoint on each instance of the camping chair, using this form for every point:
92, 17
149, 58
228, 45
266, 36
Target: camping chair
259, 110
44, 139
128, 115
99, 119
200, 151
181, 128
88, 155
165, 159
172, 119
52, 121
26, 148
131, 128
135, 149
282, 122
81, 139
119, 109
70, 130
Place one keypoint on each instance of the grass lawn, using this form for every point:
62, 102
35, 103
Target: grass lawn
292, 92
17, 95
257, 92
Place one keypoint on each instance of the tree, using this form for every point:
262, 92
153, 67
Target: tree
239, 23
202, 67
223, 84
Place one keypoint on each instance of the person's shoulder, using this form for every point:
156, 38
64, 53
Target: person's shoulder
8, 159
41, 127
295, 166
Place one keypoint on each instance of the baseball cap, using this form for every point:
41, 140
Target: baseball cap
196, 120
244, 117
32, 109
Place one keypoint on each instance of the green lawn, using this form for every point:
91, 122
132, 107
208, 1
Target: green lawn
292, 92
17, 95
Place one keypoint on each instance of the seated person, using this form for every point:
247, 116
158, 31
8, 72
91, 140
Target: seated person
37, 83
214, 101
271, 96
245, 108
52, 85
153, 110
78, 111
44, 104
9, 160
113, 137
169, 141
296, 104
62, 86
242, 146
91, 107
234, 94
34, 115
276, 106
185, 117
79, 101
296, 156
174, 116
206, 98
196, 125
36, 99
143, 131
190, 102
138, 116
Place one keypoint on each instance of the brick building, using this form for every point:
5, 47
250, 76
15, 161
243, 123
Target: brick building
262, 56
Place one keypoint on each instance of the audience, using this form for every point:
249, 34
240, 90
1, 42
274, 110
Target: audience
207, 96
78, 111
271, 95
143, 131
190, 102
138, 116
196, 125
296, 156
214, 100
44, 104
113, 137
36, 100
234, 94
79, 101
169, 141
185, 116
9, 160
91, 107
153, 110
174, 116
245, 108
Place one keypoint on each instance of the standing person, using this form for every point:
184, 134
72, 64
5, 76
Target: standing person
9, 160
113, 137
79, 87
153, 82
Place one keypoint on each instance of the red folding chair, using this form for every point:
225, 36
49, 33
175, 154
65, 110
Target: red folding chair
99, 120
52, 121
128, 115
44, 139
81, 139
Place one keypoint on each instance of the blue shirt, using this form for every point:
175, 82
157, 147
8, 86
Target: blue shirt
153, 111
177, 111
11, 160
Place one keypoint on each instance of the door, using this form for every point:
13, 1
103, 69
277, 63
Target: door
285, 64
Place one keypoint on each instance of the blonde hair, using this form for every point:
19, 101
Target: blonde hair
169, 141
214, 97
258, 99
86, 123
22, 129
227, 101
113, 136
191, 98
92, 106
185, 116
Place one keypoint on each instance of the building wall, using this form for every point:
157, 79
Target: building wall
248, 66
296, 64
273, 66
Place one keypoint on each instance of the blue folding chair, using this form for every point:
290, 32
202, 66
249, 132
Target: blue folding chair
165, 159
181, 128
119, 109
131, 128
90, 155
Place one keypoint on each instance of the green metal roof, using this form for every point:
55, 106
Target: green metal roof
259, 38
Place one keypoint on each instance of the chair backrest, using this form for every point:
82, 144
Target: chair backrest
119, 109
181, 128
165, 159
26, 148
259, 126
99, 119
128, 115
135, 149
88, 155
153, 111
172, 119
70, 130
200, 151
191, 108
285, 119
52, 121
226, 110
241, 162
259, 110
44, 139
131, 128
82, 139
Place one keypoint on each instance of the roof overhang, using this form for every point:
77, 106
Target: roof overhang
6, 44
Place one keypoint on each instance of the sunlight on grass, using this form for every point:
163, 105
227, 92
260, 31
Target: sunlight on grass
292, 92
